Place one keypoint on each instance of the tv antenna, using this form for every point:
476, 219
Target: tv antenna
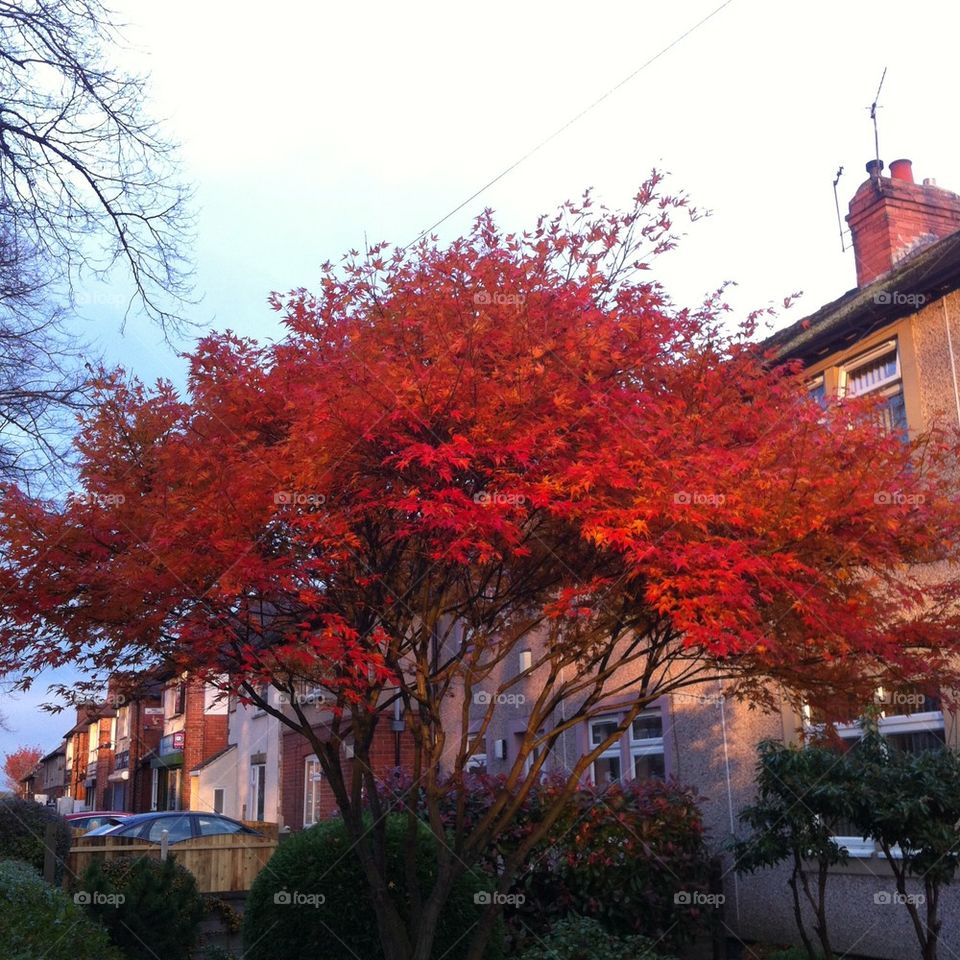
836, 200
873, 116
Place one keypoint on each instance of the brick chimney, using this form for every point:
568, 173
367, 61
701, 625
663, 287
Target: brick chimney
892, 217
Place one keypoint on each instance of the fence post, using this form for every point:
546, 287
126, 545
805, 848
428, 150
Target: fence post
164, 843
50, 852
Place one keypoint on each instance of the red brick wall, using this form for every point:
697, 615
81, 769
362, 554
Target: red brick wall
105, 755
296, 750
204, 735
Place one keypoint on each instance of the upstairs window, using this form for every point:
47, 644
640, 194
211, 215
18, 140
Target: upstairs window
877, 373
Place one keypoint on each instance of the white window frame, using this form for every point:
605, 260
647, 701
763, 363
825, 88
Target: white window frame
258, 785
312, 780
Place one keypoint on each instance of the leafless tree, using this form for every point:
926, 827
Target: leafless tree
87, 179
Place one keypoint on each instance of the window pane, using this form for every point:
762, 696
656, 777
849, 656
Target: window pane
179, 828
648, 726
601, 729
893, 414
869, 376
606, 770
648, 766
916, 741
215, 826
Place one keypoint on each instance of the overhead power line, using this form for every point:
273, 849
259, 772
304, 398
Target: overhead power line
556, 133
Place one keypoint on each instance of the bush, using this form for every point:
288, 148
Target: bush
144, 903
38, 920
618, 855
23, 826
313, 892
580, 938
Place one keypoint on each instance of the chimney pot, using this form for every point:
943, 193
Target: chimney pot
874, 167
929, 182
902, 170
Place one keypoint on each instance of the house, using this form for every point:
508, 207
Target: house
137, 730
52, 778
243, 779
194, 729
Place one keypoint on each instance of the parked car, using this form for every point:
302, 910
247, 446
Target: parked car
93, 819
179, 824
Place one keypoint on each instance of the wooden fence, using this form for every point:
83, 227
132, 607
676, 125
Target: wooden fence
221, 864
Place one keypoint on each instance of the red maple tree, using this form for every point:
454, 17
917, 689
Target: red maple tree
456, 453
18, 764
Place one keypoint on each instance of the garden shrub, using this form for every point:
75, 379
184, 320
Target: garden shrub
580, 938
313, 899
39, 920
23, 826
144, 903
619, 855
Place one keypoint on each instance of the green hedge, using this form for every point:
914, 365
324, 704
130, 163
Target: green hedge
311, 900
22, 829
581, 938
150, 908
41, 921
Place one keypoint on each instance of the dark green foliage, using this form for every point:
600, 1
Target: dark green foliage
144, 903
801, 796
312, 901
619, 855
580, 938
38, 920
23, 826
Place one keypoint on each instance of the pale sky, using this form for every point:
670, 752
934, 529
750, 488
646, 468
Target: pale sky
305, 127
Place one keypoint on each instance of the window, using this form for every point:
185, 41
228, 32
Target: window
258, 789
179, 828
607, 767
642, 744
877, 373
218, 799
216, 826
179, 698
817, 389
533, 755
311, 792
910, 720
646, 746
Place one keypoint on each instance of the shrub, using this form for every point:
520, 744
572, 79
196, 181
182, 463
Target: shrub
144, 903
313, 892
580, 938
23, 825
619, 855
38, 920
